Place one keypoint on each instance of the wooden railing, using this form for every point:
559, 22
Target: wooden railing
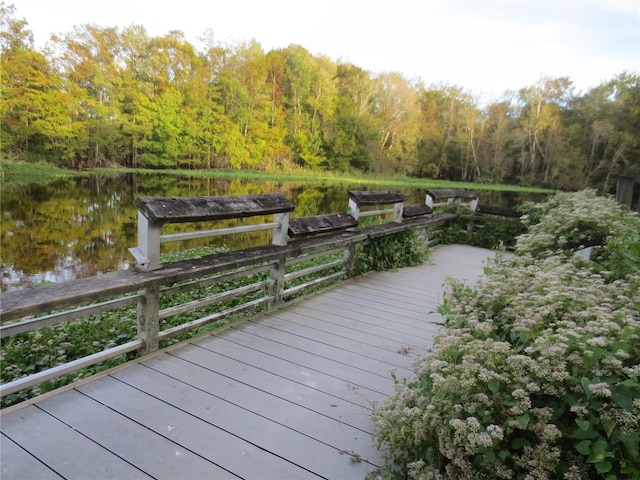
270, 274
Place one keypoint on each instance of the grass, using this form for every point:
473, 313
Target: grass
313, 176
40, 172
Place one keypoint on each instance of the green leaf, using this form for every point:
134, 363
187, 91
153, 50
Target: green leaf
623, 396
583, 424
585, 386
604, 467
609, 426
494, 386
600, 446
585, 431
523, 421
631, 447
518, 443
584, 447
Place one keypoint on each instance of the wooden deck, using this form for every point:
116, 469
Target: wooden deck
286, 395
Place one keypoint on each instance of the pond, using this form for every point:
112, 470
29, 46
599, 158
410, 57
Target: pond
84, 226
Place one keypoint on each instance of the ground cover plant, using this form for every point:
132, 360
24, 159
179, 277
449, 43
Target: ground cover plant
31, 352
537, 373
404, 249
489, 232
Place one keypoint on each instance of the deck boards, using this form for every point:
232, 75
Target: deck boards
284, 395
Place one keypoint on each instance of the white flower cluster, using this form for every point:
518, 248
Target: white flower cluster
544, 345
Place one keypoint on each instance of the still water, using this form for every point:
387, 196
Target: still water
84, 226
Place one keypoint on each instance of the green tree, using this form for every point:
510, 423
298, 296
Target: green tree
541, 138
444, 138
36, 120
498, 141
354, 136
604, 124
396, 109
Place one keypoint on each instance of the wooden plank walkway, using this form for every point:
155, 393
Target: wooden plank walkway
286, 395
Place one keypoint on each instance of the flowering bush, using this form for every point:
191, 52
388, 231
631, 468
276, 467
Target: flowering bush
537, 375
568, 220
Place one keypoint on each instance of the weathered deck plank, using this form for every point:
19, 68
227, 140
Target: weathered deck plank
285, 395
149, 451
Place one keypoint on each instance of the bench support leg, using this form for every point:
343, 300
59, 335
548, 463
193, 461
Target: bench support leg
147, 253
397, 212
280, 233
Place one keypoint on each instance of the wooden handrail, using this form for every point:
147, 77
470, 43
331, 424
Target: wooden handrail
315, 237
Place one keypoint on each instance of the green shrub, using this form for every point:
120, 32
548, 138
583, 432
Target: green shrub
486, 234
568, 219
537, 374
404, 249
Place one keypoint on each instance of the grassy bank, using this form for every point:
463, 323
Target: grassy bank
331, 177
23, 172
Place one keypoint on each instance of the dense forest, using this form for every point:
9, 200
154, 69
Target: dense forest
101, 96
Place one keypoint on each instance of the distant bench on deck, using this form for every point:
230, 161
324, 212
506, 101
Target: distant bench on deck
154, 212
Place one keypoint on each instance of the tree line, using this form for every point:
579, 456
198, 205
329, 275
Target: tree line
105, 96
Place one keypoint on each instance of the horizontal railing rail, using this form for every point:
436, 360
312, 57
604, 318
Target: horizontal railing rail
203, 290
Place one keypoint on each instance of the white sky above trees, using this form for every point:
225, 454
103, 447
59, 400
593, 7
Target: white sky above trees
484, 46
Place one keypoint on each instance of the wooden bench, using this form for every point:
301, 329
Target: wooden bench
499, 211
451, 197
154, 212
416, 210
360, 198
320, 224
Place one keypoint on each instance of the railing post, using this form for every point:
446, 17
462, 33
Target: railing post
397, 212
277, 275
354, 209
148, 322
349, 258
429, 200
280, 233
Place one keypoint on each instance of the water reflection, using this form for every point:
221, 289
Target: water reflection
84, 226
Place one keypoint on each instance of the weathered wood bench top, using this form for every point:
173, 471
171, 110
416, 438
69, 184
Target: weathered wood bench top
363, 197
503, 212
452, 193
319, 224
416, 210
160, 210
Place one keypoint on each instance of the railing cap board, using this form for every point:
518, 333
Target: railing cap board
452, 193
317, 224
19, 303
416, 210
363, 197
160, 210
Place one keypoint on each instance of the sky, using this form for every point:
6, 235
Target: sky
487, 47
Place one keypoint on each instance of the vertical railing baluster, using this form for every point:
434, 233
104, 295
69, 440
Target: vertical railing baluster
148, 319
277, 276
